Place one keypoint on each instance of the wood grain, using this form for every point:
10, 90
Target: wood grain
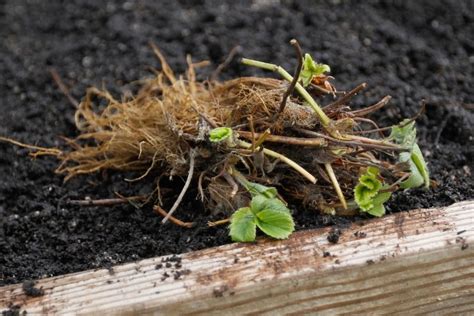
414, 262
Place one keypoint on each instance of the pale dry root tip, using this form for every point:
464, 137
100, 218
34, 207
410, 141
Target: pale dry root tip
37, 150
313, 159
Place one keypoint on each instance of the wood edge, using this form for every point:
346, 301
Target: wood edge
227, 273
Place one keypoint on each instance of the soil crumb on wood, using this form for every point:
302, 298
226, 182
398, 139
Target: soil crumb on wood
333, 235
30, 289
13, 310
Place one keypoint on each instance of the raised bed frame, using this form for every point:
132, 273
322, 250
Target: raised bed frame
420, 261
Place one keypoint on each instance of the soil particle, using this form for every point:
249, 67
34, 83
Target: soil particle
173, 267
360, 234
177, 275
30, 290
395, 49
165, 276
333, 235
463, 242
13, 310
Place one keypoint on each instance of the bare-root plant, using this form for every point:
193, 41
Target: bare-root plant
248, 145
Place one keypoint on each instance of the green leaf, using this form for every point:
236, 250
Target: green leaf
367, 188
275, 224
367, 193
219, 134
311, 69
404, 134
378, 210
258, 203
266, 211
382, 197
276, 205
419, 160
419, 173
259, 189
242, 225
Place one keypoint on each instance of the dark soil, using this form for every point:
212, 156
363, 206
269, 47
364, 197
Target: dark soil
412, 50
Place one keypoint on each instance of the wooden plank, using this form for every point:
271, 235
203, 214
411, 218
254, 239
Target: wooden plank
413, 262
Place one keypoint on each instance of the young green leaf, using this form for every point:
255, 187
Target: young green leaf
270, 215
378, 208
405, 135
419, 173
259, 189
219, 134
311, 69
367, 188
242, 225
275, 224
260, 203
367, 193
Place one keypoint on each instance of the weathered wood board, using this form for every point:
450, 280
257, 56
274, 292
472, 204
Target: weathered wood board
413, 262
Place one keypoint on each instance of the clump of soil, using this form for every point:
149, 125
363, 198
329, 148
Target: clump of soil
30, 289
333, 235
13, 310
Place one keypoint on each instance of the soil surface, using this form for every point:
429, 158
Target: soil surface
412, 50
